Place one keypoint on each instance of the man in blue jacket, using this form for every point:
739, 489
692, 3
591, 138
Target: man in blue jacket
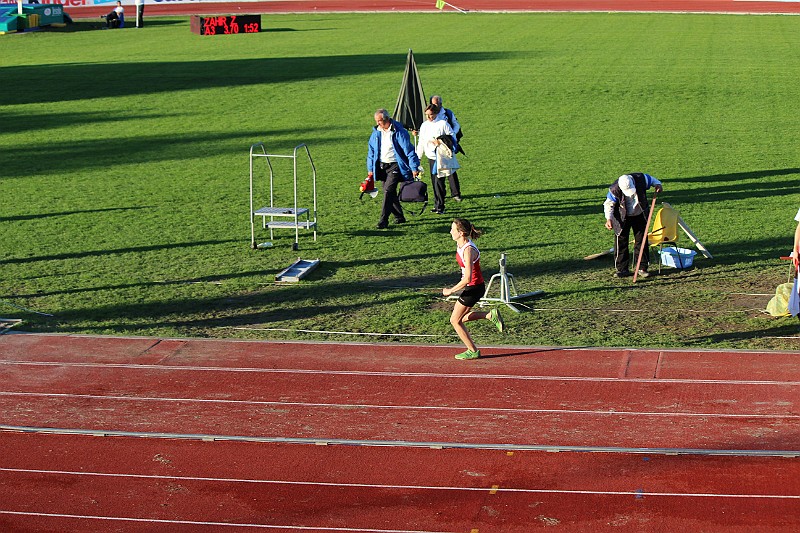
391, 159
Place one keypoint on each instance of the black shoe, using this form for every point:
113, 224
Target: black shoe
382, 225
622, 274
399, 221
438, 211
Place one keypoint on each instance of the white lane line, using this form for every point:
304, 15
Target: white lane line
637, 493
199, 523
350, 406
396, 374
317, 441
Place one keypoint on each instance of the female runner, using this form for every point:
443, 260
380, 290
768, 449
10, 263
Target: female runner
468, 257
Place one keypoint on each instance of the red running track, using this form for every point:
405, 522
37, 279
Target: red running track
329, 6
103, 433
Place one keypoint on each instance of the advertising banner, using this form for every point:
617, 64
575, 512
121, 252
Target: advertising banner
76, 6
93, 3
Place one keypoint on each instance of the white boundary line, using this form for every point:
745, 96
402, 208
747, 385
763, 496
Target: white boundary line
403, 444
135, 366
394, 407
199, 523
638, 493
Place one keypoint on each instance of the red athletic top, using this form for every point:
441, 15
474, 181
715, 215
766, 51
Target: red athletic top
477, 276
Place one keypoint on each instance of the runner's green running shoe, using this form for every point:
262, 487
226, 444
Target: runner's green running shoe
497, 320
469, 354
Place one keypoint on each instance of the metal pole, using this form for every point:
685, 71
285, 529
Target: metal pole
504, 292
644, 240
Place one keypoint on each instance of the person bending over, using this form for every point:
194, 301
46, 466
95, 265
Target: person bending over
626, 209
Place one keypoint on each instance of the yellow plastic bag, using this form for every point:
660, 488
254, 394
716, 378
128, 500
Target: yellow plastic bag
779, 304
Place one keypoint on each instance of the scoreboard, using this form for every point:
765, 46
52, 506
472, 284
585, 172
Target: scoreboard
225, 24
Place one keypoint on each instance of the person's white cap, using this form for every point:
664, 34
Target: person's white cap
627, 185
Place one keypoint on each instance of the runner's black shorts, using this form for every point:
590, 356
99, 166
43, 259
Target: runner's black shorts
472, 295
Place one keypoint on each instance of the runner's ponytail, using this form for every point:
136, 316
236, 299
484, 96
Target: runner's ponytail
465, 226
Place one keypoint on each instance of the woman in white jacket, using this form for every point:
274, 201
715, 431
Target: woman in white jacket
427, 145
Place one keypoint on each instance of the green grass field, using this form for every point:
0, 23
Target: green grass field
124, 174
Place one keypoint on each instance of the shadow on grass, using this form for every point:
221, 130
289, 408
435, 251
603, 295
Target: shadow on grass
738, 176
276, 304
300, 303
144, 284
158, 22
100, 253
722, 187
715, 187
23, 122
746, 251
788, 330
509, 209
273, 303
270, 303
99, 23
38, 216
87, 154
81, 81
741, 253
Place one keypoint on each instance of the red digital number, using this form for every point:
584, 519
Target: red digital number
228, 25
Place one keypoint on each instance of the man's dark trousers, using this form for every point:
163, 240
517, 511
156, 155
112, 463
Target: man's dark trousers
455, 188
439, 190
391, 201
638, 224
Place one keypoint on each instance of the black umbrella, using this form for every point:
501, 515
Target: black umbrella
411, 103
